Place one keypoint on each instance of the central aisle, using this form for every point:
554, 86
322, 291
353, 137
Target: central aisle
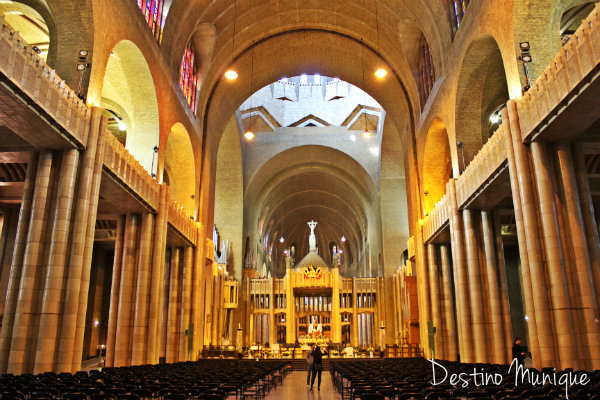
294, 387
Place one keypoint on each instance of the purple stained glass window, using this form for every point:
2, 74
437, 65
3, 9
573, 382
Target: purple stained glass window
188, 76
153, 12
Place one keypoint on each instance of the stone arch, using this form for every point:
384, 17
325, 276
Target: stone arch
437, 164
128, 83
34, 22
482, 88
538, 22
180, 167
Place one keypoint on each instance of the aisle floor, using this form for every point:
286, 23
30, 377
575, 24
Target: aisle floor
294, 387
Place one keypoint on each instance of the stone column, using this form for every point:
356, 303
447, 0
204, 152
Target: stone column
336, 320
16, 270
506, 321
111, 335
172, 339
272, 323
140, 318
197, 312
465, 333
498, 342
164, 305
186, 305
588, 214
290, 317
354, 314
581, 254
450, 346
478, 319
423, 291
90, 229
55, 270
559, 292
546, 356
157, 278
127, 289
436, 308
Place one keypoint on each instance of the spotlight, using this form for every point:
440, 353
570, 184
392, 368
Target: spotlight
96, 323
526, 58
36, 49
381, 73
494, 118
524, 46
231, 74
83, 53
249, 135
367, 134
122, 126
82, 66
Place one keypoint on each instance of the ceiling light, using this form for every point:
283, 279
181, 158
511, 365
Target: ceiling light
343, 238
494, 118
281, 240
340, 251
285, 251
231, 74
122, 126
367, 134
249, 135
381, 73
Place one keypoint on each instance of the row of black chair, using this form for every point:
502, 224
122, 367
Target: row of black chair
412, 379
203, 379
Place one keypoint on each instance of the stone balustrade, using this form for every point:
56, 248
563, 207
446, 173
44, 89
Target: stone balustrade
366, 285
484, 165
437, 217
181, 221
125, 167
564, 73
30, 73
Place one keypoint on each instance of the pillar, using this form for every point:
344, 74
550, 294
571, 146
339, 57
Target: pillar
290, 304
465, 334
188, 253
354, 332
436, 308
559, 291
530, 232
588, 214
450, 345
491, 268
172, 326
140, 318
478, 318
55, 269
336, 320
581, 255
115, 289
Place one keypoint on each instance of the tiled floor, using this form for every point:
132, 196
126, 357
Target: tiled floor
294, 387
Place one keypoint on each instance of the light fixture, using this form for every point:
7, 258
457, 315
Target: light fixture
230, 73
381, 73
285, 251
343, 238
367, 133
494, 118
82, 66
122, 126
249, 135
526, 58
281, 239
527, 318
96, 323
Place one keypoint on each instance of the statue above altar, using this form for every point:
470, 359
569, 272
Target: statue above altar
312, 240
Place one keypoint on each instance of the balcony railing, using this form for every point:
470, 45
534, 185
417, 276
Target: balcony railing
181, 221
437, 217
484, 165
125, 167
570, 66
30, 73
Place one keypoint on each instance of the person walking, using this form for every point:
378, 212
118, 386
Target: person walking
317, 366
310, 361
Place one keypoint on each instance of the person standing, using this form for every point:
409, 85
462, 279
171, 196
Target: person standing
517, 351
310, 361
317, 366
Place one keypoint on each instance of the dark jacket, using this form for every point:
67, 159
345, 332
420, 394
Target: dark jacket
516, 353
318, 355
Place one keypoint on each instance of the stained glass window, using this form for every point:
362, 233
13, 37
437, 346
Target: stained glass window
459, 8
426, 71
188, 76
153, 12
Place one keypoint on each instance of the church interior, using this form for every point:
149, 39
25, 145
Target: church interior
203, 189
